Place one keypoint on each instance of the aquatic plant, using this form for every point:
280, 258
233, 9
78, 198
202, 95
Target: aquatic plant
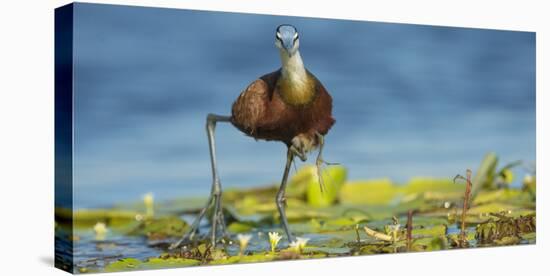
496, 215
394, 230
243, 242
377, 235
148, 200
467, 193
100, 230
274, 239
298, 245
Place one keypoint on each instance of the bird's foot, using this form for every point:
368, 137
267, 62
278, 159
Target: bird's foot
300, 152
217, 224
319, 162
183, 242
301, 145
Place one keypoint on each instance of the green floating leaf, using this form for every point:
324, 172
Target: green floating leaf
333, 178
427, 221
341, 221
530, 238
485, 174
510, 240
515, 196
495, 207
244, 259
153, 263
434, 231
161, 228
84, 218
327, 250
123, 265
369, 192
430, 243
370, 249
156, 263
419, 185
298, 182
240, 227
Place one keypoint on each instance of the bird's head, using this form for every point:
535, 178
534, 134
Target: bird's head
287, 40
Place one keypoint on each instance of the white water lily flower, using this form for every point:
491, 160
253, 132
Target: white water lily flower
100, 230
149, 202
243, 241
299, 244
274, 239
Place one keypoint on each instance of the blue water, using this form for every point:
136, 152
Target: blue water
409, 100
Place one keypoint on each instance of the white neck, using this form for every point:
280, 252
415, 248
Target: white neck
293, 67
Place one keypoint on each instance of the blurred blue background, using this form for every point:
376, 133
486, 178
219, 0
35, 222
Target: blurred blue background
409, 100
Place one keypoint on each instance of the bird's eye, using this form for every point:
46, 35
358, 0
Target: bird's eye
278, 36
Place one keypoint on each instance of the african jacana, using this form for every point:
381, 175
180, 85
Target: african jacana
289, 105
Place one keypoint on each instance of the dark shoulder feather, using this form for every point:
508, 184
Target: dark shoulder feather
271, 81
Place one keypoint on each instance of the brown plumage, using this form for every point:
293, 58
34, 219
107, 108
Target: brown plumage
262, 112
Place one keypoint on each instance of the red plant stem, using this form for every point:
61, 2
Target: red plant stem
465, 207
409, 229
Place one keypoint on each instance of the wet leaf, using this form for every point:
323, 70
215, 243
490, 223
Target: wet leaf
123, 265
327, 250
370, 192
262, 257
84, 218
152, 263
433, 231
240, 227
507, 241
160, 228
502, 195
156, 263
418, 185
333, 178
430, 243
485, 174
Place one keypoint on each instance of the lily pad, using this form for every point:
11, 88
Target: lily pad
240, 227
333, 178
84, 218
156, 263
370, 192
153, 263
160, 228
419, 185
123, 265
331, 251
433, 231
262, 257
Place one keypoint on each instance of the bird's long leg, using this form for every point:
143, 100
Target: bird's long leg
280, 199
216, 190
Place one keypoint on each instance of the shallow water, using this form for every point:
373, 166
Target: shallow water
91, 253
